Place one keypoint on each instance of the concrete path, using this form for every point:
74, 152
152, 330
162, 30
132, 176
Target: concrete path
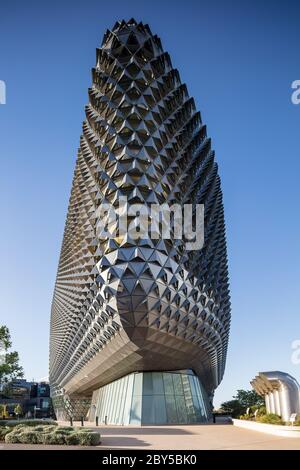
206, 436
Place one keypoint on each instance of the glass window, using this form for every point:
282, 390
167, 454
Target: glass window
45, 403
158, 386
113, 402
203, 395
148, 416
135, 415
181, 410
168, 383
152, 398
127, 403
147, 384
193, 385
171, 409
138, 384
160, 409
178, 390
198, 410
191, 417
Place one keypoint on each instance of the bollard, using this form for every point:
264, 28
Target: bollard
105, 420
71, 421
97, 421
214, 417
82, 423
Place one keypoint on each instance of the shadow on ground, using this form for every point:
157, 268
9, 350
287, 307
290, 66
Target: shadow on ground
144, 430
116, 442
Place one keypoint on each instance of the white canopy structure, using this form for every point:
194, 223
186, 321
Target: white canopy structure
281, 392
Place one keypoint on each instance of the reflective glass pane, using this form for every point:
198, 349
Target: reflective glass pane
168, 383
181, 410
138, 384
178, 390
135, 415
204, 399
147, 384
197, 407
200, 397
191, 417
148, 414
158, 386
128, 398
160, 409
171, 409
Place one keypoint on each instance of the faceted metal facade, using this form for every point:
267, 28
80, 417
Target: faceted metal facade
120, 305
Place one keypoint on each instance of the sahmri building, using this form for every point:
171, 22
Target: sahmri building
139, 327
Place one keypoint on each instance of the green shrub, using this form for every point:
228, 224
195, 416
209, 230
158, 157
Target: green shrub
90, 438
12, 438
21, 428
270, 418
246, 417
47, 428
14, 435
39, 437
66, 428
39, 428
44, 438
58, 438
3, 431
28, 437
62, 432
49, 434
261, 411
72, 439
53, 439
18, 430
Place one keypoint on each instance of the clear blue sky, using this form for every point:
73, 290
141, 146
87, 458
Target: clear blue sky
238, 59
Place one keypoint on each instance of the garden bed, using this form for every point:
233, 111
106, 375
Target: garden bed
276, 429
48, 433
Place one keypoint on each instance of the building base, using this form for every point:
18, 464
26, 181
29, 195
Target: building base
66, 408
143, 398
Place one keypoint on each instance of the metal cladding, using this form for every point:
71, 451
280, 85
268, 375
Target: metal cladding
123, 305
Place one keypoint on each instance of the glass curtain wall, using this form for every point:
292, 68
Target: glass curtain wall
152, 398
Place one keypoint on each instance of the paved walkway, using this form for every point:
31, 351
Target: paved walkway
206, 436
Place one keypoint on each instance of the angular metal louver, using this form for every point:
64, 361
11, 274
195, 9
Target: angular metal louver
121, 306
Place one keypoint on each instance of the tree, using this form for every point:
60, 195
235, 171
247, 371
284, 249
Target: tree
248, 398
232, 407
241, 401
18, 410
3, 411
10, 368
